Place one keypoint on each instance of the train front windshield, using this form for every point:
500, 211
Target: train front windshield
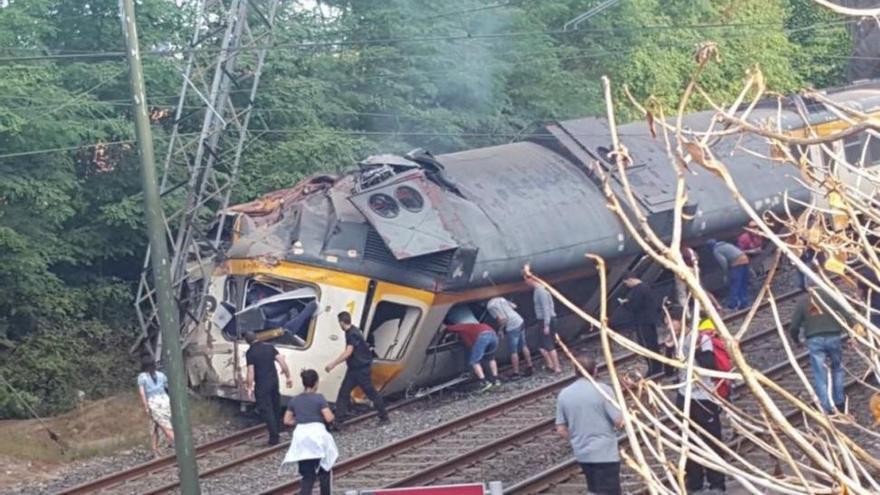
277, 313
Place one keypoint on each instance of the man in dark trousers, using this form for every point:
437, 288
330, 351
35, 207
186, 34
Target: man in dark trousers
704, 411
734, 264
643, 307
358, 358
589, 421
262, 381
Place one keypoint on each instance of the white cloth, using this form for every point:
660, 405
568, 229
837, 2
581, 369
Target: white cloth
312, 441
160, 411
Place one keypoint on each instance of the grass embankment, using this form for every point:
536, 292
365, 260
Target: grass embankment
94, 429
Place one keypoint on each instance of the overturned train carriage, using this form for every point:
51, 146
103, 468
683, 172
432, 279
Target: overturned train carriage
400, 241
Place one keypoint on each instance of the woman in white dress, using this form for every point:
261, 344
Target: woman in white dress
152, 386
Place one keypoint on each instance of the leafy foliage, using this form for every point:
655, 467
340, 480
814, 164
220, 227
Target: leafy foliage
345, 79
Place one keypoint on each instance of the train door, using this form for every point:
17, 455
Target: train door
390, 327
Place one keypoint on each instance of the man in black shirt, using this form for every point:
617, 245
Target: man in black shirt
262, 381
358, 358
642, 305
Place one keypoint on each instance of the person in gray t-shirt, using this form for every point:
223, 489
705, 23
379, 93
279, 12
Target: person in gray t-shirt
589, 421
545, 313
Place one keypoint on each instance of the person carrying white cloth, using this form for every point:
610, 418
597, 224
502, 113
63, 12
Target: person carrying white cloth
311, 446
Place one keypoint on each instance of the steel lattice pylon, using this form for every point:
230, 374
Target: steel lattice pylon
220, 80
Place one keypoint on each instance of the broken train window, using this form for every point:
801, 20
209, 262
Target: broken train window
277, 311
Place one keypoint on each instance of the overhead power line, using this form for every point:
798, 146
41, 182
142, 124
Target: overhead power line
423, 39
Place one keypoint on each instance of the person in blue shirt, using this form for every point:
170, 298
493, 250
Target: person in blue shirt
151, 386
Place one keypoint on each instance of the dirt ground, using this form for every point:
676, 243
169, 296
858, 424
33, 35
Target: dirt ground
109, 426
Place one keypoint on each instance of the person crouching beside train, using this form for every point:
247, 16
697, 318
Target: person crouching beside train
151, 386
514, 328
358, 358
481, 342
311, 445
545, 312
735, 265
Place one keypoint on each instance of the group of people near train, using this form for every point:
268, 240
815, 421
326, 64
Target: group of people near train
586, 414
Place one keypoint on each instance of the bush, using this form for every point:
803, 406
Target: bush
49, 366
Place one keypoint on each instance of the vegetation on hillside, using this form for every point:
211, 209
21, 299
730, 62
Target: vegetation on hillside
347, 78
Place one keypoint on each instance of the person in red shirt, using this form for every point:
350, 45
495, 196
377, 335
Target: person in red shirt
750, 242
482, 343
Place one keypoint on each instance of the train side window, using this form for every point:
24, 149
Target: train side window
873, 150
852, 149
392, 327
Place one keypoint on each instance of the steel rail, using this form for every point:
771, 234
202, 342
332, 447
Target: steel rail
570, 469
168, 461
436, 472
480, 416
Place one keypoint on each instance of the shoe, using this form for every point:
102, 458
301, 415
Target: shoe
484, 386
496, 382
528, 372
273, 442
384, 421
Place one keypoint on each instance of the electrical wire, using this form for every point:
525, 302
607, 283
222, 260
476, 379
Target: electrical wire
390, 41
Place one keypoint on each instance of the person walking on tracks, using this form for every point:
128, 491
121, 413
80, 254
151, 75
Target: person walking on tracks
545, 312
588, 420
151, 387
704, 410
481, 342
513, 324
262, 382
823, 333
358, 358
735, 264
644, 307
311, 445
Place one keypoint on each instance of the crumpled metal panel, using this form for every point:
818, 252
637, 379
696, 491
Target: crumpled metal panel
652, 179
408, 232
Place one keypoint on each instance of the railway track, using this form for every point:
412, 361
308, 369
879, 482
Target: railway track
475, 446
238, 449
159, 475
566, 477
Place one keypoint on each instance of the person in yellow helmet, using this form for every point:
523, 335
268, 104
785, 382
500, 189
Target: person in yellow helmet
704, 410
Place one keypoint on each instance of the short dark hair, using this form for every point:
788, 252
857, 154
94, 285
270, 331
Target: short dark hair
344, 317
250, 337
309, 378
676, 312
589, 364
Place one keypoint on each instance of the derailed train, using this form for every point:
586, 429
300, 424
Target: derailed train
399, 242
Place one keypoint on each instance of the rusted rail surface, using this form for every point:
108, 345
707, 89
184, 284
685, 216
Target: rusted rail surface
162, 463
163, 467
567, 478
437, 454
168, 462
